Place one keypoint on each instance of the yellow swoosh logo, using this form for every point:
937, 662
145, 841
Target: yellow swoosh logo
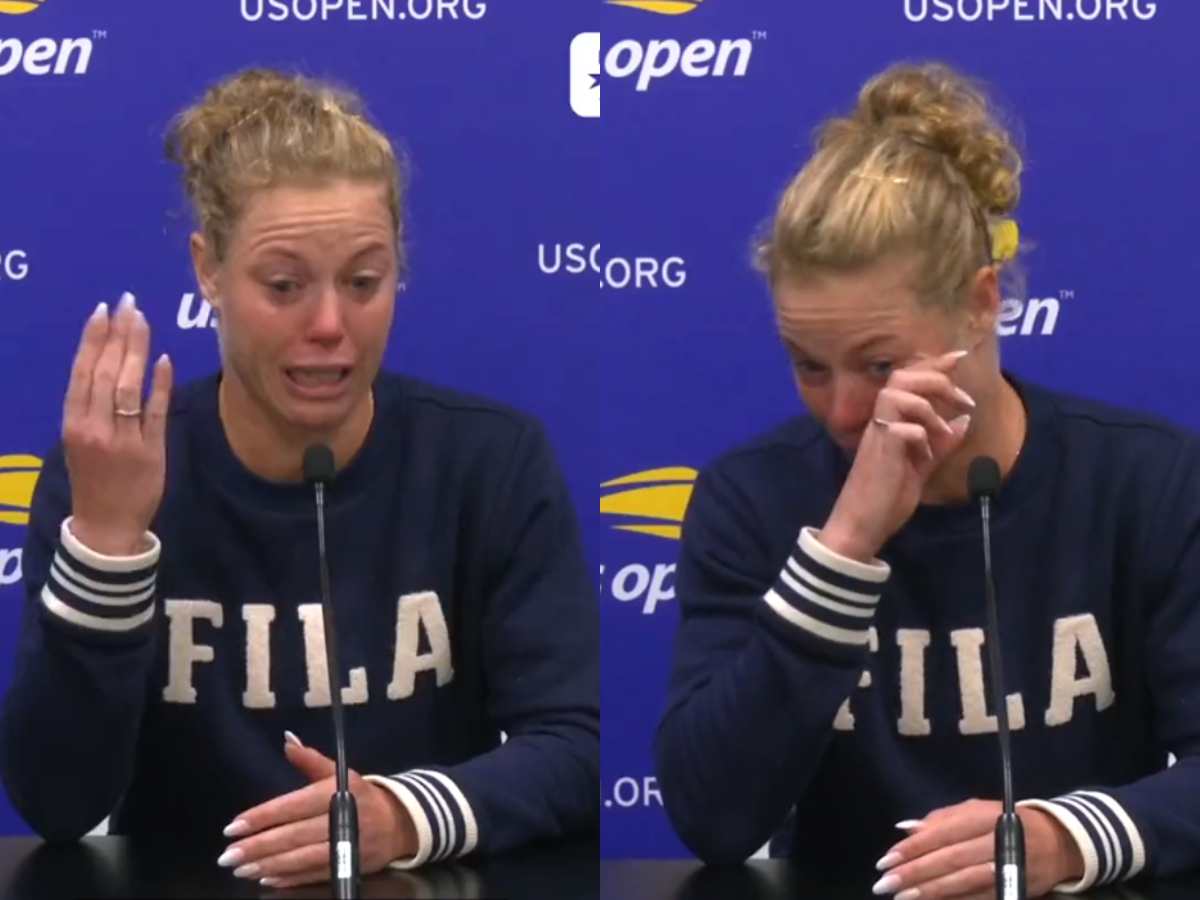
18, 475
658, 495
662, 7
19, 7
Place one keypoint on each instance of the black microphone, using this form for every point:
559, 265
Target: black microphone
343, 811
983, 479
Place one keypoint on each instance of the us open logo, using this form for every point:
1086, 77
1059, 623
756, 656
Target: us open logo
19, 473
653, 503
19, 7
647, 62
43, 56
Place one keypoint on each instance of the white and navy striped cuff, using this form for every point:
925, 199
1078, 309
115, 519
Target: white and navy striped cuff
106, 594
1107, 837
827, 594
444, 821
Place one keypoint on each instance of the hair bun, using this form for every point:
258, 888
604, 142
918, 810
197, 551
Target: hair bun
937, 108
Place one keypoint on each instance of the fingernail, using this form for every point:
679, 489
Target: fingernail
909, 824
289, 738
961, 424
964, 397
269, 882
163, 359
237, 828
945, 425
958, 354
231, 857
250, 870
887, 862
127, 301
910, 894
886, 885
100, 310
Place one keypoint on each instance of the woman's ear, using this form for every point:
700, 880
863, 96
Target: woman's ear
204, 261
983, 303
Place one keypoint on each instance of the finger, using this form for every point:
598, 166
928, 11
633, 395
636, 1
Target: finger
154, 422
941, 864
104, 375
312, 763
932, 385
970, 881
958, 824
91, 343
289, 864
943, 362
276, 841
312, 876
133, 370
291, 807
892, 404
914, 437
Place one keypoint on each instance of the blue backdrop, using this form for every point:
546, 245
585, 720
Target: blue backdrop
587, 177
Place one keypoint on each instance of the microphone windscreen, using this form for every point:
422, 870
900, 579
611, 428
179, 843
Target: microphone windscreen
318, 464
983, 477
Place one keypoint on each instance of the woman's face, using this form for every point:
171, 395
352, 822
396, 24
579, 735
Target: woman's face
305, 297
846, 332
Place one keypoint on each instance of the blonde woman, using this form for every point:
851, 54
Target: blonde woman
831, 652
173, 634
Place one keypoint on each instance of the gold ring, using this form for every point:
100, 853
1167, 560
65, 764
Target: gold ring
128, 413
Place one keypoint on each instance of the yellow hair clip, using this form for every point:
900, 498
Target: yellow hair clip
1006, 240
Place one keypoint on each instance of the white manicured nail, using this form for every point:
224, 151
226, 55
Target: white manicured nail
289, 738
961, 424
886, 885
128, 301
910, 894
909, 824
230, 857
250, 870
162, 360
100, 310
964, 397
270, 882
237, 828
887, 862
958, 354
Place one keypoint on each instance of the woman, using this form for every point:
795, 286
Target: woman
830, 655
173, 632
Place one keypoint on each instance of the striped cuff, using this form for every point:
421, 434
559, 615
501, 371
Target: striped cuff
826, 594
1109, 841
444, 821
107, 594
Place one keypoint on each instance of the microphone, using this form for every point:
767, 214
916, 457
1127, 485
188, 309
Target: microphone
983, 479
343, 811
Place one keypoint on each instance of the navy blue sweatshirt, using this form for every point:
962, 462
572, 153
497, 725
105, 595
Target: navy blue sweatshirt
842, 698
158, 688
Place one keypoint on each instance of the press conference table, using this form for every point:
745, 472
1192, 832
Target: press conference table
113, 867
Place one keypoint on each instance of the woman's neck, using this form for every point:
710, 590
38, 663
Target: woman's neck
274, 450
998, 431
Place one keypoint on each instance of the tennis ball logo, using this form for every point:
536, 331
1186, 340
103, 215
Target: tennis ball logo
662, 7
18, 476
19, 7
651, 502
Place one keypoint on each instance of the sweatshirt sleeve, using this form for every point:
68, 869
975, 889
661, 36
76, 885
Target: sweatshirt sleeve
764, 656
1152, 826
72, 713
541, 655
